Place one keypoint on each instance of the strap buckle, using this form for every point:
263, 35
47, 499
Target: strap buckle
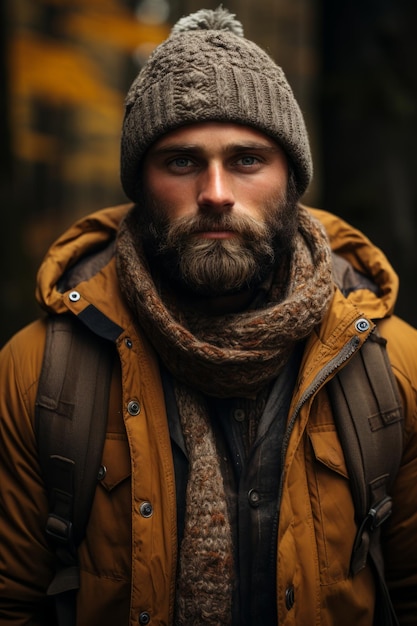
59, 529
375, 517
379, 513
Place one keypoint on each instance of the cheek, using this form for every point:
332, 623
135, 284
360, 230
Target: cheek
165, 188
170, 194
260, 201
173, 199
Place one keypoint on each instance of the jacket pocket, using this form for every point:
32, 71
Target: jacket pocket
106, 551
331, 503
115, 467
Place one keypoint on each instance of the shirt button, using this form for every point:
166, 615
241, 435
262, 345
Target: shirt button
144, 618
146, 509
254, 498
289, 597
133, 407
239, 415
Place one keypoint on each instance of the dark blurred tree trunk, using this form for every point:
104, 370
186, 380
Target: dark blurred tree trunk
369, 122
10, 259
5, 151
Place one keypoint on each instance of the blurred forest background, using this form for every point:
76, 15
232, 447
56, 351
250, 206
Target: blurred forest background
65, 67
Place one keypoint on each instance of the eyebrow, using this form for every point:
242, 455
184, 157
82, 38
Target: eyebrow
228, 149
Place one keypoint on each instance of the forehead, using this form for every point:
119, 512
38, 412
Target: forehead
207, 133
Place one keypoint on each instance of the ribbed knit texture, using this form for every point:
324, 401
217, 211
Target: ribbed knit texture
211, 75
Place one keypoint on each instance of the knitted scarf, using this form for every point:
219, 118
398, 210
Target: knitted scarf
233, 355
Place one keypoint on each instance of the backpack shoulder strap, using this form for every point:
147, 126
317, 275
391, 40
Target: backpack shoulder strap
70, 423
369, 420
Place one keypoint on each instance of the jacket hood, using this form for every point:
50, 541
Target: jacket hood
361, 270
79, 255
82, 254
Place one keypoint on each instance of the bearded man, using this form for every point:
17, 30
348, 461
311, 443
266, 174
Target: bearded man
223, 495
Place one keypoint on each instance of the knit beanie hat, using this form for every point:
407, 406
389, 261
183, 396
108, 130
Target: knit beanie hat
207, 71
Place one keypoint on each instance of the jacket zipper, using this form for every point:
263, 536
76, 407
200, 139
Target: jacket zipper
345, 353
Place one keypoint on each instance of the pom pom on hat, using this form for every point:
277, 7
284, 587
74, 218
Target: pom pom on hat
207, 71
205, 19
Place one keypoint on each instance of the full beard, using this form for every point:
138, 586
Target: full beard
217, 267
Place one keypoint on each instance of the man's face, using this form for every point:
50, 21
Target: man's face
215, 215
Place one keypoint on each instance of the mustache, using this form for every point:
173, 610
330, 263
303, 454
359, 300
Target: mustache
245, 226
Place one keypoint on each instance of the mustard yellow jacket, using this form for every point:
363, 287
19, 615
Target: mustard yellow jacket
128, 562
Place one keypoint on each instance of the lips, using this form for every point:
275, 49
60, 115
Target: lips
215, 234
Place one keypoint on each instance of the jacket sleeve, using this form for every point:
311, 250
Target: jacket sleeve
26, 564
400, 537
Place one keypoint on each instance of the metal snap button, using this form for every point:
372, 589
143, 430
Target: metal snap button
146, 509
362, 325
133, 407
74, 296
102, 472
289, 597
128, 343
144, 618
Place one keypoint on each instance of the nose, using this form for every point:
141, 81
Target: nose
215, 191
